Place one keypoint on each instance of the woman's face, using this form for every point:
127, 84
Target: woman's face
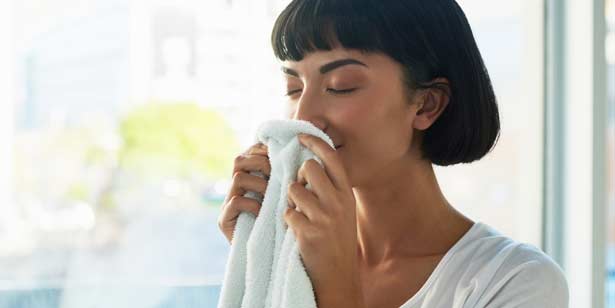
359, 100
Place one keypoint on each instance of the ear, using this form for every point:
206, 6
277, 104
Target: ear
431, 102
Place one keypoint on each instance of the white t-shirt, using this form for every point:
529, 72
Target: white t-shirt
487, 269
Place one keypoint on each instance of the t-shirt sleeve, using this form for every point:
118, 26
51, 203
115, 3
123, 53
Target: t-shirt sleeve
537, 282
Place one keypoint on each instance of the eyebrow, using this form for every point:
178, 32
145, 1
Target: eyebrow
327, 67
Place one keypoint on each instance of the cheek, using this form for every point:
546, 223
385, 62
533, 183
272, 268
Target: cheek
358, 124
375, 118
369, 130
375, 128
353, 114
364, 110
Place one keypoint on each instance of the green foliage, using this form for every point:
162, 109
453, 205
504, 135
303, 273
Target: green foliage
77, 191
177, 138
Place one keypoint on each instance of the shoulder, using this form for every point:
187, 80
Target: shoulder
531, 278
527, 262
506, 271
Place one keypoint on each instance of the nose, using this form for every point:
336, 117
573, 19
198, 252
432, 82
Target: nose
309, 109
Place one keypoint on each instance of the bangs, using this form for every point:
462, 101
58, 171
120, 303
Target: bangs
307, 26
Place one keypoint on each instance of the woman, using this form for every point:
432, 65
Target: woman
398, 85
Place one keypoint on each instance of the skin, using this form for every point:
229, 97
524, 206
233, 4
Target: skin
376, 212
375, 224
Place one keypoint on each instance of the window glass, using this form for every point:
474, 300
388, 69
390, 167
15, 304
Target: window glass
125, 120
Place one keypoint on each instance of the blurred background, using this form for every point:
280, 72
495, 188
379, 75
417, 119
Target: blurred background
120, 120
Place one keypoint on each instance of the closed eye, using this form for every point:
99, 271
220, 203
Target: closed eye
334, 91
341, 91
289, 93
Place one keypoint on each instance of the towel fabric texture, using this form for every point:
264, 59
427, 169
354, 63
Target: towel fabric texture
264, 268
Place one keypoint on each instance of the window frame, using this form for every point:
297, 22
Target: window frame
575, 150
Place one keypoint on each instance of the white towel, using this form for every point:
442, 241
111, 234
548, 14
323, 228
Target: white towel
264, 268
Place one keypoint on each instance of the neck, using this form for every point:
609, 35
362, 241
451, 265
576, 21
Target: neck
401, 212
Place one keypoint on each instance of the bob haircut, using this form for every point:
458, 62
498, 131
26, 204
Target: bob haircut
429, 38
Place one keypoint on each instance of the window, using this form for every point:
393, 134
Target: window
127, 116
610, 153
117, 147
504, 189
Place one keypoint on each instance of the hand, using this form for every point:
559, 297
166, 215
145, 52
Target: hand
326, 226
254, 159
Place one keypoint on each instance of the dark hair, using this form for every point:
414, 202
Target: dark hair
429, 38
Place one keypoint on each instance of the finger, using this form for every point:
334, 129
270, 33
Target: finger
312, 172
296, 221
305, 201
259, 149
244, 182
262, 145
331, 161
239, 204
253, 162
